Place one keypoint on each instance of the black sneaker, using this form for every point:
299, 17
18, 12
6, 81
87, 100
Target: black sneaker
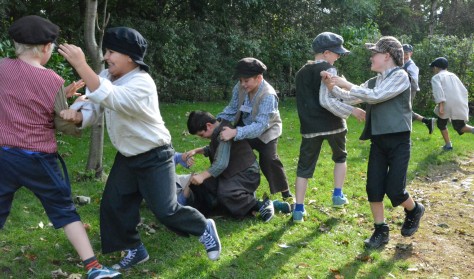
379, 237
267, 211
134, 256
430, 125
412, 220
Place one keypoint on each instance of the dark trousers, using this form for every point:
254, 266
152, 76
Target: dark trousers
41, 174
387, 167
271, 165
149, 176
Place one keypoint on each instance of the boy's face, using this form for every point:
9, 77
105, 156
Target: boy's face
208, 133
251, 84
407, 56
330, 56
379, 61
118, 63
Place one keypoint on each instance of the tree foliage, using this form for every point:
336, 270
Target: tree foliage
194, 44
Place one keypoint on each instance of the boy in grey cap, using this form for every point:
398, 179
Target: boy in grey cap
32, 99
322, 117
388, 126
451, 98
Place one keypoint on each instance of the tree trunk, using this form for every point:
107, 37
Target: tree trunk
94, 51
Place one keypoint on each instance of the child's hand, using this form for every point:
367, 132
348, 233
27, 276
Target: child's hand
188, 158
71, 89
71, 115
327, 79
228, 133
359, 114
73, 55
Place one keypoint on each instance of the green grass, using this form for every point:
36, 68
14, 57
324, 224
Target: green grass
328, 244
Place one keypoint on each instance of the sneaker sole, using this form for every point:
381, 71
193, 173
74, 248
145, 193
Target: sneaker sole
368, 246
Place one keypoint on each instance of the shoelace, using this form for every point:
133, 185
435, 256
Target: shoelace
208, 241
129, 257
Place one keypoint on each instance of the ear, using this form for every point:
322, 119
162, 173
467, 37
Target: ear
47, 47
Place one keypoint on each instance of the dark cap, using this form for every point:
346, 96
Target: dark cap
390, 45
407, 48
33, 30
329, 41
127, 41
440, 62
249, 67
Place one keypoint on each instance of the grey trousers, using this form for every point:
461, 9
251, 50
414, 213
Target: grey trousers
149, 176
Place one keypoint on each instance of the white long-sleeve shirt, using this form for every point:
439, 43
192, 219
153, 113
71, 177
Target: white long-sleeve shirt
132, 113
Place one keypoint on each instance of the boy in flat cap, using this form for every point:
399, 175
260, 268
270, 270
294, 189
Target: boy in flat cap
32, 99
143, 167
322, 117
451, 98
234, 174
388, 126
410, 66
254, 111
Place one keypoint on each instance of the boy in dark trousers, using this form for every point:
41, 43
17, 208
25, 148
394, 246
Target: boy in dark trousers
143, 168
234, 174
388, 126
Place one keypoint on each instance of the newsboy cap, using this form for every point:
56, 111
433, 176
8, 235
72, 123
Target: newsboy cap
407, 48
249, 67
390, 45
127, 41
440, 62
33, 30
329, 41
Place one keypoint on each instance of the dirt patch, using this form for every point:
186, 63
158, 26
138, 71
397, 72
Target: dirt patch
444, 245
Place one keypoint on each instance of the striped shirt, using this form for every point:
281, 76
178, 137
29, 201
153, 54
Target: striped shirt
385, 89
27, 108
252, 129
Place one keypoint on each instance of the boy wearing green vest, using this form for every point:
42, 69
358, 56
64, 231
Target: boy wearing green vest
388, 126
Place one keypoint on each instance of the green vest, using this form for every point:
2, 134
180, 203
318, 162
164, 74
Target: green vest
391, 116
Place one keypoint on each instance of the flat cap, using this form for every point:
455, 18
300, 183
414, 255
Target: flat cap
329, 41
33, 30
249, 67
440, 62
407, 48
127, 41
390, 45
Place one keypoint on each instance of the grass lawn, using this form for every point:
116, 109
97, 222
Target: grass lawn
328, 245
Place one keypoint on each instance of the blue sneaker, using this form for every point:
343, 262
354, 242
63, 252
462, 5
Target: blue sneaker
339, 201
282, 207
134, 256
211, 240
104, 272
298, 216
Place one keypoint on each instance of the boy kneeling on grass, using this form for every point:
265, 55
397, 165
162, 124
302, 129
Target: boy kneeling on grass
388, 126
234, 174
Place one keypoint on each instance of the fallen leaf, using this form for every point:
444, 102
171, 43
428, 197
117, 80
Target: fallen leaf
283, 245
259, 247
41, 225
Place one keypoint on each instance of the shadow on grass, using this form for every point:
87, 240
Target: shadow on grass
261, 258
381, 269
